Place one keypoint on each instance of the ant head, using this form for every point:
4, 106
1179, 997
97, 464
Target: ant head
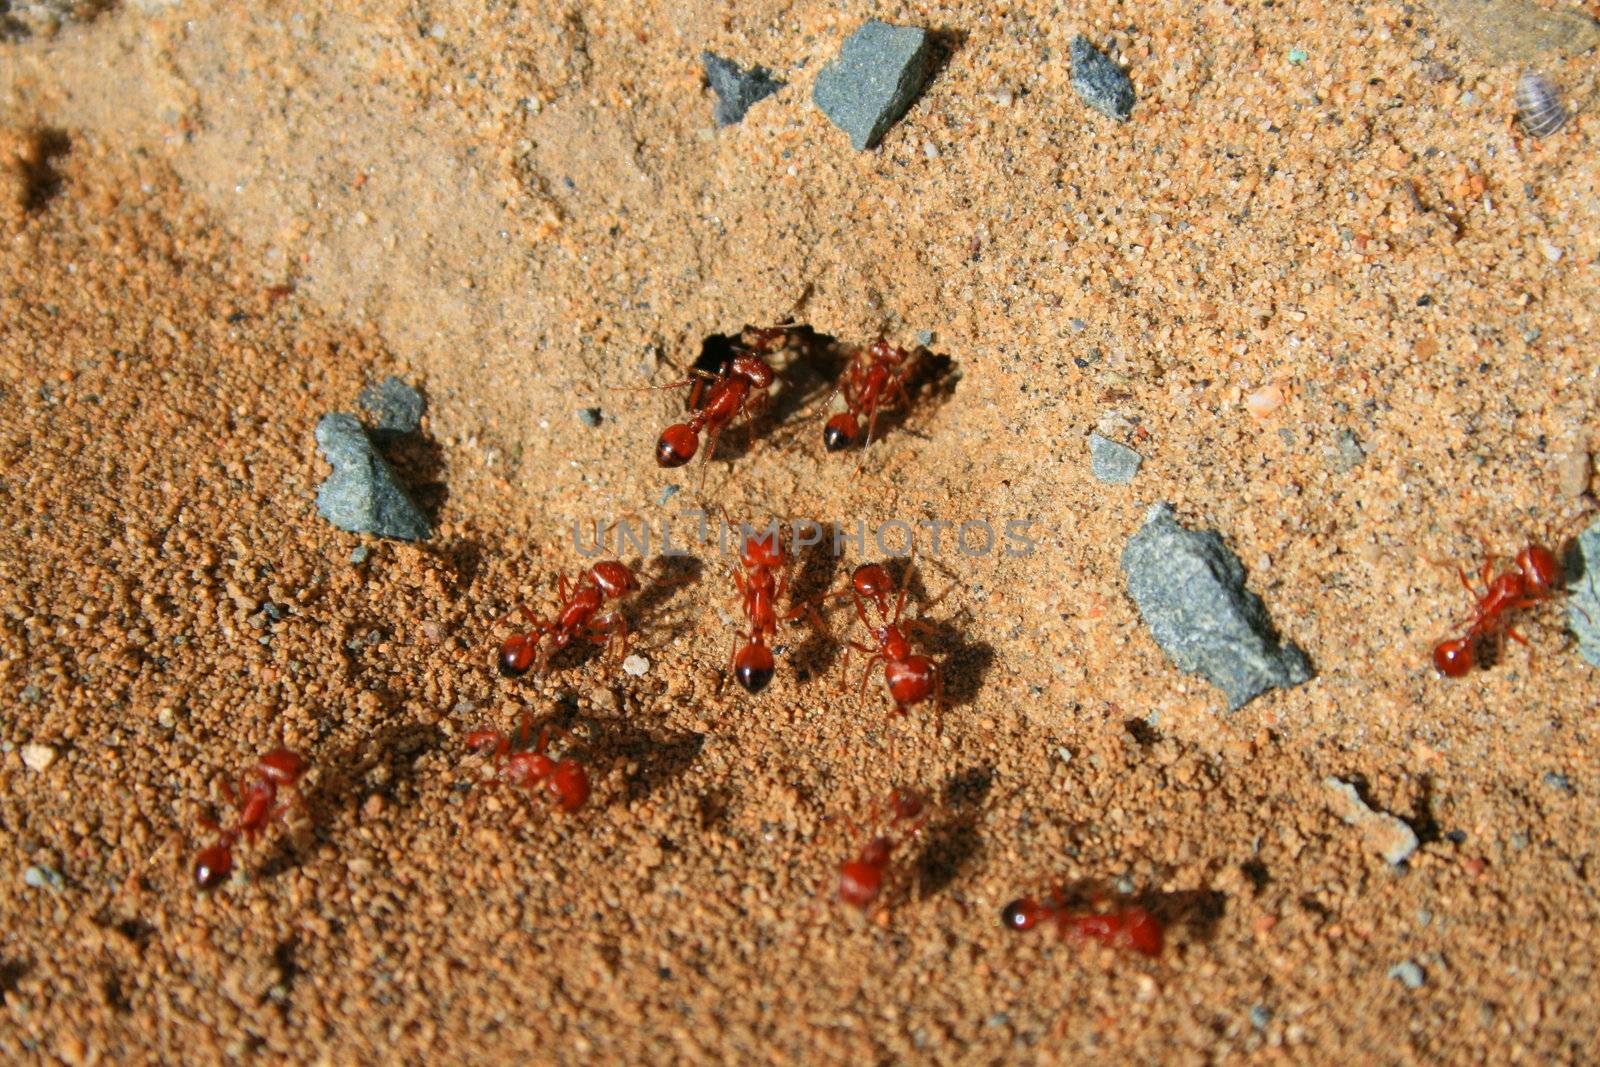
1455, 658
882, 349
677, 445
762, 549
841, 432
1541, 571
1023, 914
282, 767
910, 679
752, 368
568, 785
516, 655
212, 866
860, 882
872, 581
613, 578
753, 667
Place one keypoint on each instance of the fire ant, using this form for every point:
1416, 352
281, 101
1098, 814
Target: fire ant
760, 589
873, 375
566, 783
1129, 926
278, 769
579, 616
717, 398
861, 879
1537, 578
911, 677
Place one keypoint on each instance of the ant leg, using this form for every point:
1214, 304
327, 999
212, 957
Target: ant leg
866, 674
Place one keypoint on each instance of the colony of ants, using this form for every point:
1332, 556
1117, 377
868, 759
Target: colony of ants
873, 379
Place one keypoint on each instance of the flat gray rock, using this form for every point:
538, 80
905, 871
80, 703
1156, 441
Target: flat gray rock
1112, 463
1583, 582
736, 88
873, 80
362, 494
1099, 82
1189, 589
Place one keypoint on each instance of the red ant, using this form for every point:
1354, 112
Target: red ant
579, 616
565, 780
872, 375
861, 879
1537, 578
760, 589
1130, 926
911, 677
278, 769
716, 399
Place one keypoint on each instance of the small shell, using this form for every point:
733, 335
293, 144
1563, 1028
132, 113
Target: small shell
1539, 105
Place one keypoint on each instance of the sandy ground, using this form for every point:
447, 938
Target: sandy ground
242, 213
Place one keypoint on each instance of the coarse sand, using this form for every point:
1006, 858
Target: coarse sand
1339, 302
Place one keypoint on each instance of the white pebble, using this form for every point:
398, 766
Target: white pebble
1551, 252
930, 149
38, 757
635, 665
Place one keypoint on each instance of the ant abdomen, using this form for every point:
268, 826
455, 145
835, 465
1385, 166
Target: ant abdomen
1456, 657
754, 667
516, 656
677, 445
213, 866
841, 432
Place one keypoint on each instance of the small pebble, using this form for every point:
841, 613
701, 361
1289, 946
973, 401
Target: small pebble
1260, 1016
373, 806
1099, 82
38, 877
1558, 781
1347, 453
38, 757
590, 417
668, 492
1112, 463
635, 665
1298, 55
362, 495
31, 694
1388, 835
924, 338
166, 718
359, 554
1409, 974
1265, 400
1583, 606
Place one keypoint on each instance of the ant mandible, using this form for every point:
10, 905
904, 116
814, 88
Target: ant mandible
911, 677
861, 879
277, 770
566, 783
1129, 926
1537, 578
716, 399
873, 375
580, 615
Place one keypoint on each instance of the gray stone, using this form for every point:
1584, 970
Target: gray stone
362, 494
1583, 582
1260, 1016
1408, 973
1112, 463
41, 877
397, 407
873, 80
358, 554
1189, 589
590, 417
1099, 82
1559, 782
737, 89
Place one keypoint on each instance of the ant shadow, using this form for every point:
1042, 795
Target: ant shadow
41, 182
657, 590
817, 566
658, 759
397, 748
953, 844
